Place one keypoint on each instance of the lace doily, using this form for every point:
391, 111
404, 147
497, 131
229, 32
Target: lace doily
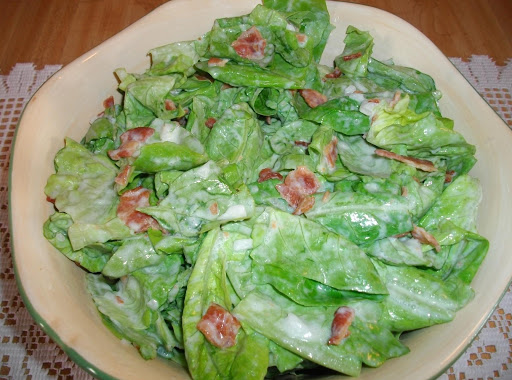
27, 352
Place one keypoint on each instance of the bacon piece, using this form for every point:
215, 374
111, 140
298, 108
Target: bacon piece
131, 141
334, 74
425, 237
298, 184
302, 143
352, 56
221, 62
448, 177
373, 100
202, 77
109, 102
325, 198
267, 173
304, 205
250, 44
405, 192
425, 165
51, 200
313, 98
395, 99
123, 176
331, 152
343, 318
169, 105
210, 122
214, 208
129, 202
302, 39
219, 326
119, 300
403, 234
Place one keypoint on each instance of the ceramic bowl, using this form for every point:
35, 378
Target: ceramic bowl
53, 288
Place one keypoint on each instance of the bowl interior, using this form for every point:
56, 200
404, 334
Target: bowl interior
54, 288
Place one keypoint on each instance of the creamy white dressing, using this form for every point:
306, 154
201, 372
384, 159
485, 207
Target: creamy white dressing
350, 89
242, 244
367, 107
234, 212
300, 329
152, 304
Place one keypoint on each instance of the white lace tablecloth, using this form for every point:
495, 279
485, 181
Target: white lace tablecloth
27, 352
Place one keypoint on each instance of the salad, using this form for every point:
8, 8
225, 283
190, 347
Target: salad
246, 211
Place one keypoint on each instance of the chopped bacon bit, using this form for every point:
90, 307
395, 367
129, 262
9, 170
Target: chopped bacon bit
343, 318
123, 176
268, 120
51, 200
169, 105
403, 234
109, 102
374, 100
331, 153
325, 198
210, 122
250, 44
416, 180
352, 56
214, 208
425, 237
334, 74
313, 98
298, 184
221, 62
119, 300
304, 205
219, 326
202, 77
267, 173
425, 165
131, 141
395, 99
405, 192
225, 86
129, 202
301, 38
302, 143
448, 177
127, 149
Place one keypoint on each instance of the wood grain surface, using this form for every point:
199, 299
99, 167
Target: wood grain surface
58, 31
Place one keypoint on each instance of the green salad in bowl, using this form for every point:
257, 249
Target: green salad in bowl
246, 211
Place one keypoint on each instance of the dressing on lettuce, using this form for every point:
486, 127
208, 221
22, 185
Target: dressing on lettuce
248, 212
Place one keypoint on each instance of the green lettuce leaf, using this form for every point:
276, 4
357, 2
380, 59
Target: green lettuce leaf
360, 217
354, 59
83, 185
199, 201
294, 244
92, 258
419, 299
306, 330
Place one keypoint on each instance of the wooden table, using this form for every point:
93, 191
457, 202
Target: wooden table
58, 31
